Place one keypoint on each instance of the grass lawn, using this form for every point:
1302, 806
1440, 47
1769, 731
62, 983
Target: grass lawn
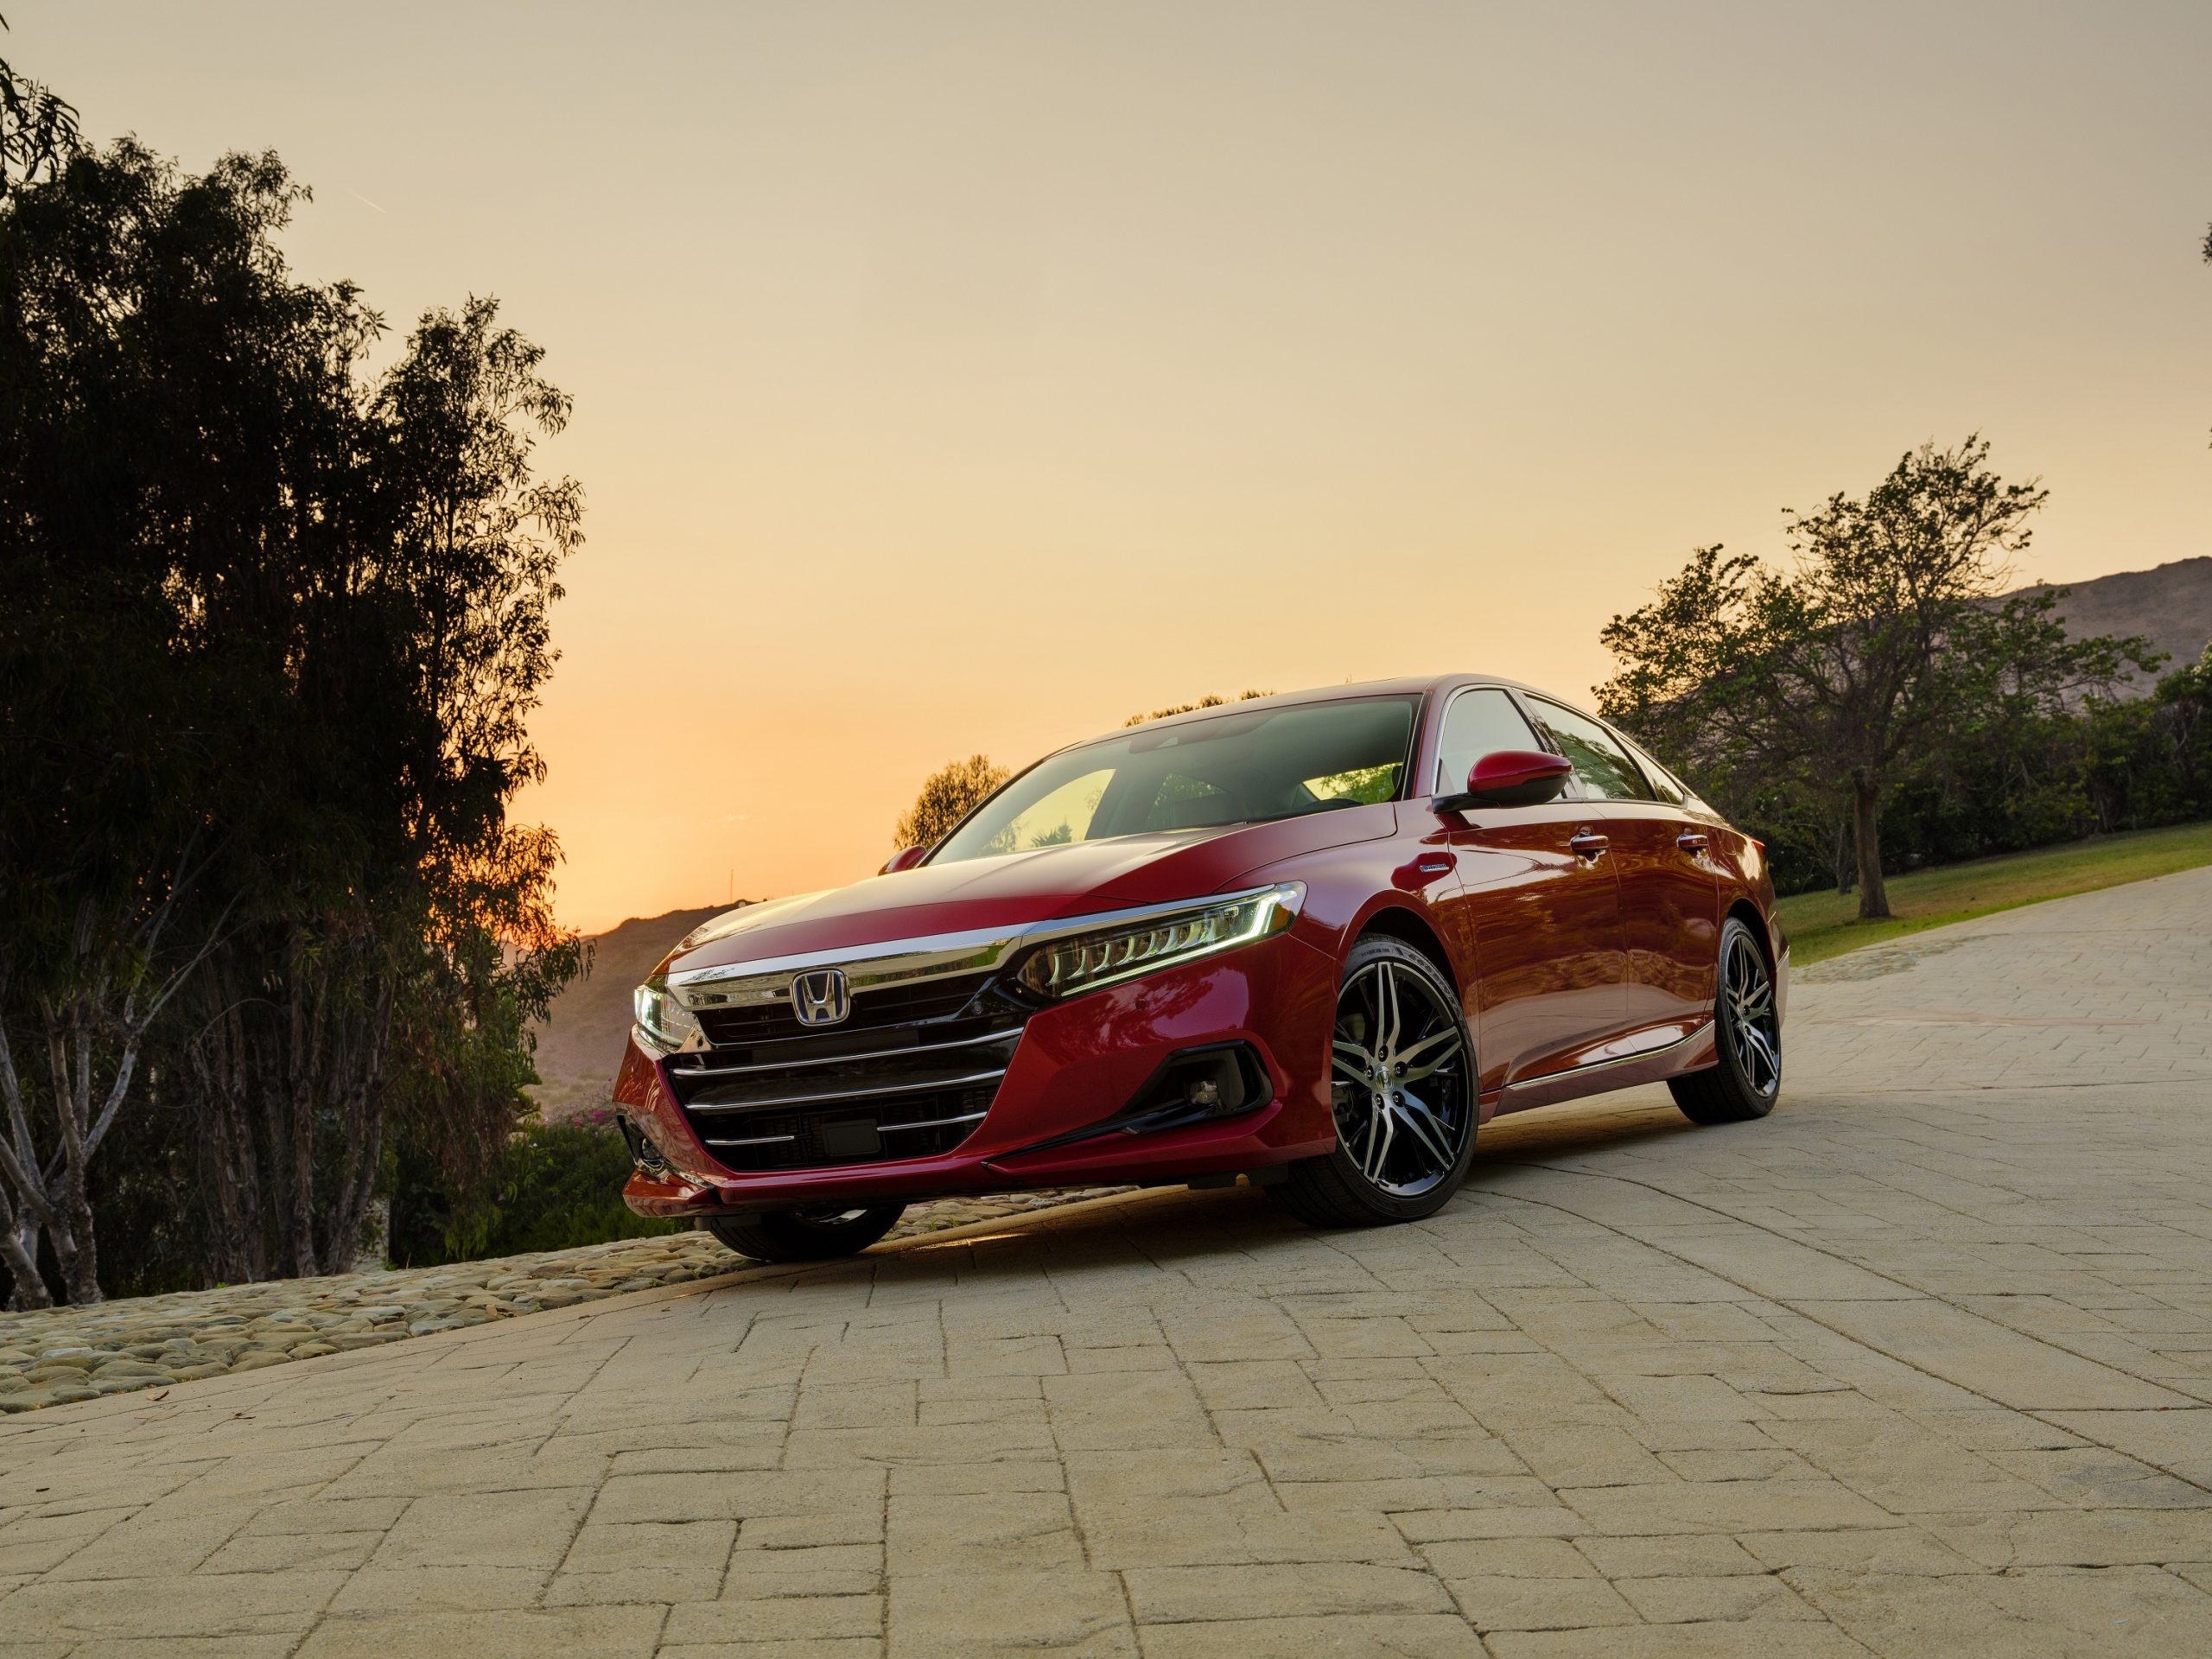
1822, 925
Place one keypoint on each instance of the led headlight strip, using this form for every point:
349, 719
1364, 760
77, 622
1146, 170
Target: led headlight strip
665, 1022
1086, 962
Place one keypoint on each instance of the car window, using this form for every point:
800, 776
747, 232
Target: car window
1478, 722
1055, 819
1185, 803
1239, 766
1602, 766
1664, 784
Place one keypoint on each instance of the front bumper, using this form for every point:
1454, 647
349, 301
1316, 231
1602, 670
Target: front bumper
1075, 1065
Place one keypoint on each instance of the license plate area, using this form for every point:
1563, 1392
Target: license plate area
851, 1137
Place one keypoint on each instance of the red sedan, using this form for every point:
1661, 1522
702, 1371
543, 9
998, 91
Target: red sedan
1312, 940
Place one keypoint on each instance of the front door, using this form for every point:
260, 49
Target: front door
1669, 889
1538, 902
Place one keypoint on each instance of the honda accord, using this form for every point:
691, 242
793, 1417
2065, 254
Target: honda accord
1313, 941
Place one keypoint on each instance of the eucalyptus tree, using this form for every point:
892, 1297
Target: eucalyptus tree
271, 628
38, 128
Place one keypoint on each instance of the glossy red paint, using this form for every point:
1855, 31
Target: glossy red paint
1518, 777
1581, 932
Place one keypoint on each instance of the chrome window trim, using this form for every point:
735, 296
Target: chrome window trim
938, 955
1449, 786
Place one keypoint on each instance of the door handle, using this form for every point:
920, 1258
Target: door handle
1588, 843
1691, 841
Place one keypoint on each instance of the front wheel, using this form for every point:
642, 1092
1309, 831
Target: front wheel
807, 1235
1746, 1079
1403, 1084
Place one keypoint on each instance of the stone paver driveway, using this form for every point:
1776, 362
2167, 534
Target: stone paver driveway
1921, 1364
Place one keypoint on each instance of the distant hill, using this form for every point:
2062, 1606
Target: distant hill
2169, 606
581, 1044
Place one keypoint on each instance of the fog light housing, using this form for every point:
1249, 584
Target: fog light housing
1197, 1083
643, 1153
1193, 1086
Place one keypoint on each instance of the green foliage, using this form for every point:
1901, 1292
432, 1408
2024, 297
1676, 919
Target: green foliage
272, 625
1885, 660
38, 128
554, 1187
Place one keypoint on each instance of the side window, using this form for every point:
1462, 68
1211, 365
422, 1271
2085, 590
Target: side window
1478, 722
1599, 761
1667, 787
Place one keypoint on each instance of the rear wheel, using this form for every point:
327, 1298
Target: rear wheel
1746, 1080
807, 1235
1402, 1077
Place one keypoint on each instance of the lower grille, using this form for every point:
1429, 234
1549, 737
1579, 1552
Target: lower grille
917, 1126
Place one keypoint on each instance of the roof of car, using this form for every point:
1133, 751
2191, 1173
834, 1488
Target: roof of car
1409, 687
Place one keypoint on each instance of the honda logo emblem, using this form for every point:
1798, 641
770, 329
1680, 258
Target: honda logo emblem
821, 996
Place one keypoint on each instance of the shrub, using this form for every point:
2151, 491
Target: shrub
558, 1186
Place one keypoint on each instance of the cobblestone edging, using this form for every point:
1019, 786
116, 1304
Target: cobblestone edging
56, 1354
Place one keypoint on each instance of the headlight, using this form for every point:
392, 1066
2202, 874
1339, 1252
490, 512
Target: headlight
662, 1020
1085, 962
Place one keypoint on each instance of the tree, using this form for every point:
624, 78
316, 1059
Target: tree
38, 130
271, 626
947, 796
1212, 700
1850, 673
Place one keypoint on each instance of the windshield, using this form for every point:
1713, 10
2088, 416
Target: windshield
1230, 768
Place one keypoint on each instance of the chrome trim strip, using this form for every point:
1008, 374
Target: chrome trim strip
933, 1123
919, 1049
756, 1140
1588, 1066
838, 1097
938, 955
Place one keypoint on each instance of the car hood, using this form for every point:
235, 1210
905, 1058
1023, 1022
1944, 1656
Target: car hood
1020, 889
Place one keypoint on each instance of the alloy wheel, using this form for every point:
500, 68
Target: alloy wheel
1753, 1026
1401, 1087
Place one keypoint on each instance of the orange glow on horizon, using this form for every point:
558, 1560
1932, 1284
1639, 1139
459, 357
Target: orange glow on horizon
968, 379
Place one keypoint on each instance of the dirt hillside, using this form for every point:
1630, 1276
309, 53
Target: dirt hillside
2171, 606
580, 1046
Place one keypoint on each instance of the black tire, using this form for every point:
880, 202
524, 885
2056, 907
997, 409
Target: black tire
807, 1235
1746, 1079
1372, 1177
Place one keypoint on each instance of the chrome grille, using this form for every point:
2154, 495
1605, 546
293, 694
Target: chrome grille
910, 1075
886, 1006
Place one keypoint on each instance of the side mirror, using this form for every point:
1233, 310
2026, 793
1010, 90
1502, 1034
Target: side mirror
905, 858
1511, 778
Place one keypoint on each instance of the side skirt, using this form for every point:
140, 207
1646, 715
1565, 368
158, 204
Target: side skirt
1690, 1053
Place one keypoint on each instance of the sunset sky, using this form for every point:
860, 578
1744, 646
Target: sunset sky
958, 378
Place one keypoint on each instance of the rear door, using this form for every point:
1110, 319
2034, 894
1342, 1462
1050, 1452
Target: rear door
1669, 889
1537, 903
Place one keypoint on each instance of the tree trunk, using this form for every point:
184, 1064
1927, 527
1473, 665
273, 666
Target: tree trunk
82, 1268
305, 1051
19, 1250
1866, 841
